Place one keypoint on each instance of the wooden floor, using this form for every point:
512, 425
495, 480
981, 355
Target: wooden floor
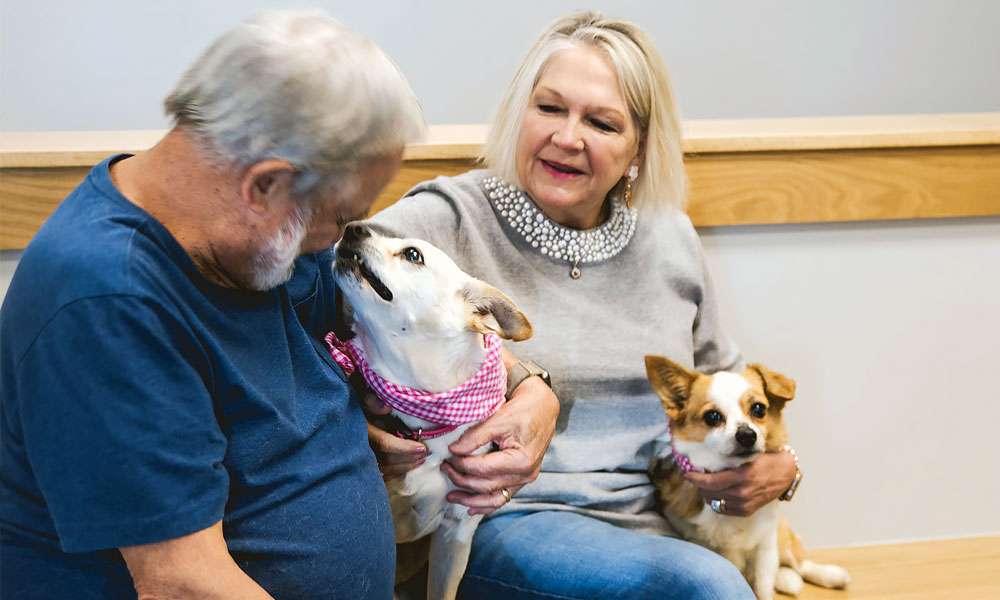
966, 569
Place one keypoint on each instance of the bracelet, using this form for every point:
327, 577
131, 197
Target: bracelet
522, 370
790, 492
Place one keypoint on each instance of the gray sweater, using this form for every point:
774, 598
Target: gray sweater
654, 297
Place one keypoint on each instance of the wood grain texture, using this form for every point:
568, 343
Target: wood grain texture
737, 188
843, 185
443, 142
964, 569
830, 133
28, 197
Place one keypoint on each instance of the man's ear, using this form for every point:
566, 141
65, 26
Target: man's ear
671, 382
491, 311
778, 388
265, 182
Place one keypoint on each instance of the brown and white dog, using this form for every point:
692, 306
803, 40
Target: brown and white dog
421, 322
718, 422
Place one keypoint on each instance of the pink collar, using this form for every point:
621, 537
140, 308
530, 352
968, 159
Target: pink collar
681, 460
425, 434
474, 400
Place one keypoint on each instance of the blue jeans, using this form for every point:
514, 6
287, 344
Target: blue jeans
558, 554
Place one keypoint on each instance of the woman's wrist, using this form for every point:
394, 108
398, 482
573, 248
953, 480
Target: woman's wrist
789, 493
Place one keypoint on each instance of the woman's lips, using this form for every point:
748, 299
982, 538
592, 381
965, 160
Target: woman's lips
559, 170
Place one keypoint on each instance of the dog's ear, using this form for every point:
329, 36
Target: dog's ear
671, 382
778, 388
493, 312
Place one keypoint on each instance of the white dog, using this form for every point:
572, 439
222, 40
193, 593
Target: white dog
427, 340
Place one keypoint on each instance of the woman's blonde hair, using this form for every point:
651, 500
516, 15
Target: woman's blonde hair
662, 182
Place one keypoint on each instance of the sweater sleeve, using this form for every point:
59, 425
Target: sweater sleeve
425, 213
713, 349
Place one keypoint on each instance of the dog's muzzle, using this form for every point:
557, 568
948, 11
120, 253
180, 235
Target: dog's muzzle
351, 260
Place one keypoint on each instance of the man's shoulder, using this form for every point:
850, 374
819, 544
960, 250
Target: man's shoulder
75, 260
86, 252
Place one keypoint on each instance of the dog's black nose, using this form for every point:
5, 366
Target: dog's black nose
355, 232
746, 437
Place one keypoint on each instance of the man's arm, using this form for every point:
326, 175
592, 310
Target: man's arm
192, 566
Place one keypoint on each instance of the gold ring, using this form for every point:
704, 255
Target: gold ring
506, 494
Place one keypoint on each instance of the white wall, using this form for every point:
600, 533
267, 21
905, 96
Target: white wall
8, 262
66, 64
890, 329
892, 332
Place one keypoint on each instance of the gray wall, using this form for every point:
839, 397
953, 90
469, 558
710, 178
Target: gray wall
65, 65
890, 329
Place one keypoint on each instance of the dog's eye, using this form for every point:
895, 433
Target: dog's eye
758, 410
413, 255
713, 418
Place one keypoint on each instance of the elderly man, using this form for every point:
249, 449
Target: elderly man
171, 424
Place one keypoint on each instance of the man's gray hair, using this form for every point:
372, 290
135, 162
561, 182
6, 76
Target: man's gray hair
301, 87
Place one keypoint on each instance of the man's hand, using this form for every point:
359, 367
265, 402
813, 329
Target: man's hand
521, 429
396, 456
749, 487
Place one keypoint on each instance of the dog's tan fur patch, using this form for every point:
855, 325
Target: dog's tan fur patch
684, 396
776, 390
791, 550
491, 311
673, 492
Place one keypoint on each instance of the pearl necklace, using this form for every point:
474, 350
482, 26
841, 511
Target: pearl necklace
554, 240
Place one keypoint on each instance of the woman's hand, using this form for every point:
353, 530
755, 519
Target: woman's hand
749, 487
395, 455
522, 429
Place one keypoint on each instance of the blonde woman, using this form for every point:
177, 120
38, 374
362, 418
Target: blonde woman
579, 218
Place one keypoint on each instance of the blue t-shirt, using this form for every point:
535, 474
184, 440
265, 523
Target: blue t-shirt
140, 403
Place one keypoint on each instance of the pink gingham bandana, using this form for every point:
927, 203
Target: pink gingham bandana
681, 460
474, 400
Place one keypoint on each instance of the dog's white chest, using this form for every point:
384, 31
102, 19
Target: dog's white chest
744, 533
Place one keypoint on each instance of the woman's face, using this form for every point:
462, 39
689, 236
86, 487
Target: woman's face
577, 138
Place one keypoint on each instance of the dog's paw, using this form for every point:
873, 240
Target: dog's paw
788, 582
829, 576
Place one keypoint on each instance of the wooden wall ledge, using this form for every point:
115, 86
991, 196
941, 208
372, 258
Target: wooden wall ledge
35, 149
742, 171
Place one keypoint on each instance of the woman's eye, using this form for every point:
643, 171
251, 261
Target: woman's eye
548, 108
413, 255
603, 126
713, 418
758, 410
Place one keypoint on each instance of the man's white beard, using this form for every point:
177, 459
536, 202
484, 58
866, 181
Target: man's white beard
275, 262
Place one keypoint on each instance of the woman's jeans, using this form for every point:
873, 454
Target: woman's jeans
557, 554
